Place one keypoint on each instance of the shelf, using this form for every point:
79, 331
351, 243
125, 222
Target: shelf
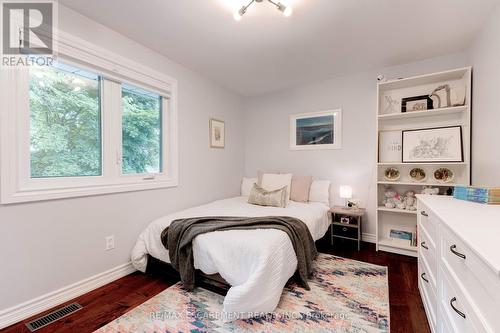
401, 219
422, 164
417, 184
426, 113
395, 247
343, 237
346, 225
456, 74
395, 210
396, 244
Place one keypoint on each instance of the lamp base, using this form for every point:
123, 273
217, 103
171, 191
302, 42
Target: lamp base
350, 204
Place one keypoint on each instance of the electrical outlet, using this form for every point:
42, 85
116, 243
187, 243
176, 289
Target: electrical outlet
110, 242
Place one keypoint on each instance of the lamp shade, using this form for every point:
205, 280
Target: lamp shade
345, 192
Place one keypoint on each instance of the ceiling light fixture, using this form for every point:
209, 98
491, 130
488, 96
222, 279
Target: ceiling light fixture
286, 10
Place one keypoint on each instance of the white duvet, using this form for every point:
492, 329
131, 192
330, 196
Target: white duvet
256, 263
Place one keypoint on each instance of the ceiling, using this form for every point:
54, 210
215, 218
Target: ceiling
266, 51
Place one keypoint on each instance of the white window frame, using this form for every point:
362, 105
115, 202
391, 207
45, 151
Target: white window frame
15, 180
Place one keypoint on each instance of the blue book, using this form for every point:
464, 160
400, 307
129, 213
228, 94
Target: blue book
400, 234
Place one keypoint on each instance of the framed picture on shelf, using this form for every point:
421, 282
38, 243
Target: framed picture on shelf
317, 130
390, 104
417, 103
441, 145
389, 146
217, 133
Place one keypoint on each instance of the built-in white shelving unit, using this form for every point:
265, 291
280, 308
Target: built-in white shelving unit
406, 220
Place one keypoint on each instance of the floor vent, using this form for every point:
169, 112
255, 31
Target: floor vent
53, 316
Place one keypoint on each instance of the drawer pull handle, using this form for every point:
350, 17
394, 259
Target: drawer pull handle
460, 313
344, 229
424, 246
458, 254
424, 278
424, 213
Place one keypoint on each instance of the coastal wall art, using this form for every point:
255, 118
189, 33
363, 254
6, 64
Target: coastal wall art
317, 130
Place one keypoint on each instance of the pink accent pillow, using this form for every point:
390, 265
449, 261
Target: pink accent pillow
300, 188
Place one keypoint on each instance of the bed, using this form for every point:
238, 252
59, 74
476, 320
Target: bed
256, 263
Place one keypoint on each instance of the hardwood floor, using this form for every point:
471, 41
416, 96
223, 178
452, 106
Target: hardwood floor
112, 300
407, 310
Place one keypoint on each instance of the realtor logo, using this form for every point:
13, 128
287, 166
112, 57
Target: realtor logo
27, 32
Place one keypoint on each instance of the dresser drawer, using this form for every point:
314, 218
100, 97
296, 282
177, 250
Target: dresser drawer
444, 325
428, 294
428, 221
427, 255
475, 280
457, 309
348, 232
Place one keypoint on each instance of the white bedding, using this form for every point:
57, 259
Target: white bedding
256, 263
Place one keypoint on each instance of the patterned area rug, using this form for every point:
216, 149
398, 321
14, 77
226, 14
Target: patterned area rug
345, 296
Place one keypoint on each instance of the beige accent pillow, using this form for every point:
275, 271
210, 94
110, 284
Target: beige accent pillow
300, 188
273, 181
261, 197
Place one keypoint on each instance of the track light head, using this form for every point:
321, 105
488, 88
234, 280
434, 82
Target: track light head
287, 11
239, 14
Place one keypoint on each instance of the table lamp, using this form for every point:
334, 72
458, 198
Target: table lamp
345, 192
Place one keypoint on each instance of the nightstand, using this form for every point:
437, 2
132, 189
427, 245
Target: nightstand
343, 230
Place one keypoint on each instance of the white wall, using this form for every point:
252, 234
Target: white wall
47, 245
267, 129
485, 57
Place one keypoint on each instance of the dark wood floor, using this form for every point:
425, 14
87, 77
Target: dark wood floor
111, 301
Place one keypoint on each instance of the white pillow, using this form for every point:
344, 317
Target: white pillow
274, 181
246, 186
320, 191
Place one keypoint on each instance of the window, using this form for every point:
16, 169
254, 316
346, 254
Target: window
65, 122
141, 131
102, 125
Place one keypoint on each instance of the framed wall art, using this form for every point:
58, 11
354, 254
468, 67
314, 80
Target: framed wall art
417, 103
389, 146
318, 130
217, 133
441, 144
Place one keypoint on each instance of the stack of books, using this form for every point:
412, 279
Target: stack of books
483, 195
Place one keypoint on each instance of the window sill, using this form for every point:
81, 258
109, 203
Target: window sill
64, 193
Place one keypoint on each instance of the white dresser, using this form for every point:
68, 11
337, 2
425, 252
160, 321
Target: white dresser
459, 264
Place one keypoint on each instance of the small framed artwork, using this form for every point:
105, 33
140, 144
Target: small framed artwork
345, 220
217, 133
390, 145
390, 104
417, 103
318, 130
441, 144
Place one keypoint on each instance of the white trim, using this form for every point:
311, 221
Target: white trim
337, 130
16, 184
370, 238
32, 307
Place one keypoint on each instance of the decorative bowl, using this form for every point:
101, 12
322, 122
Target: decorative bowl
443, 175
417, 175
392, 174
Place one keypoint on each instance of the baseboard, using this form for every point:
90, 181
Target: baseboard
370, 238
27, 309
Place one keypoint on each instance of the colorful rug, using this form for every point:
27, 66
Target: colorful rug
345, 296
